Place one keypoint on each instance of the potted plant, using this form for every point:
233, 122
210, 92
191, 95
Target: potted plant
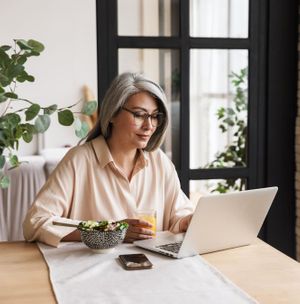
36, 118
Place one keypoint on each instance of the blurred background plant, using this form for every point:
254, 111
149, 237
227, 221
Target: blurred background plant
33, 118
233, 119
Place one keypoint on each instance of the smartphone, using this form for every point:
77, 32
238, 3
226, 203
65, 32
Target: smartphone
135, 261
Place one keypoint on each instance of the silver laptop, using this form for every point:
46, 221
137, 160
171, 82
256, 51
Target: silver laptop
219, 222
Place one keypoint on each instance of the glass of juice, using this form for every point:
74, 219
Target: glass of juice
148, 215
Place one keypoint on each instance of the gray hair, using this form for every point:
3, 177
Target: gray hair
121, 88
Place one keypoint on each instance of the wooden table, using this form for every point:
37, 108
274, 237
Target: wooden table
263, 272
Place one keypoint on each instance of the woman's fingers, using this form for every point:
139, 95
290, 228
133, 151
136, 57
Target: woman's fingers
137, 230
137, 222
138, 236
130, 237
140, 230
139, 233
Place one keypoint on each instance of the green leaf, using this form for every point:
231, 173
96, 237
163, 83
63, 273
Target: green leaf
29, 128
21, 59
4, 181
89, 107
30, 78
4, 59
223, 128
220, 113
11, 95
65, 117
14, 70
13, 160
5, 47
229, 121
32, 111
28, 131
82, 133
77, 123
2, 90
36, 45
31, 53
3, 137
23, 45
42, 123
2, 161
18, 132
4, 80
24, 76
230, 111
21, 79
2, 98
51, 109
27, 137
13, 119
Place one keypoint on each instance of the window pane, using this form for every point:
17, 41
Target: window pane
162, 66
148, 18
204, 187
215, 18
218, 108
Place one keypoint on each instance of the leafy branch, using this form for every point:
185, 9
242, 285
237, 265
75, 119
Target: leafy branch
13, 128
233, 119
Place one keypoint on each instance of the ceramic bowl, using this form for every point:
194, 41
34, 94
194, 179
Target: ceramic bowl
102, 241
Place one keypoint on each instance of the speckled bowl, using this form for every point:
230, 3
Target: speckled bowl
102, 241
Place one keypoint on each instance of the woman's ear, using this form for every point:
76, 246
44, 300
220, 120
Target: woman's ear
112, 119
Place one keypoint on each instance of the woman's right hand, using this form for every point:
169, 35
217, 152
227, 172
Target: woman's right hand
138, 230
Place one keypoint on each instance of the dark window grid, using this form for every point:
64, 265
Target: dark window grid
178, 42
220, 173
102, 53
257, 94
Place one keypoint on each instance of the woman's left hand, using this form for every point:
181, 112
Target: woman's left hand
184, 223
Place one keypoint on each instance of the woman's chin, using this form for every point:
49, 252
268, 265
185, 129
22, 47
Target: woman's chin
142, 144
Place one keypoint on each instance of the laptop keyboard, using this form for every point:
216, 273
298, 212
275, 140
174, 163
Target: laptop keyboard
173, 247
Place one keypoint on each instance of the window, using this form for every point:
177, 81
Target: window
191, 52
209, 40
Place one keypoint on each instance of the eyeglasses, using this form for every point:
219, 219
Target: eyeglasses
140, 117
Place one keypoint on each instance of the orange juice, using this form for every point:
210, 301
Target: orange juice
149, 216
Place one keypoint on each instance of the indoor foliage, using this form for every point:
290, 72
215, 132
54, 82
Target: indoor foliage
37, 119
233, 119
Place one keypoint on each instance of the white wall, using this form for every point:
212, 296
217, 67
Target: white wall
67, 28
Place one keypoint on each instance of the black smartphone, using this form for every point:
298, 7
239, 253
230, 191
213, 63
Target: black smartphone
135, 261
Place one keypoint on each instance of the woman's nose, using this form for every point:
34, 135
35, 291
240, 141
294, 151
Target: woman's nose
148, 123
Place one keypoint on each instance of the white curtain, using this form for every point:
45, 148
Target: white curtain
210, 86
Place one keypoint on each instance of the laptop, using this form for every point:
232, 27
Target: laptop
220, 221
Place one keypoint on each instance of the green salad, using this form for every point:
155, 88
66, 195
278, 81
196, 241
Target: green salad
102, 225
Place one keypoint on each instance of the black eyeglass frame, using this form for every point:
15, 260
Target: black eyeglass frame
158, 116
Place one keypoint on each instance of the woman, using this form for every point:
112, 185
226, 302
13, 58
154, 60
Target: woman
118, 171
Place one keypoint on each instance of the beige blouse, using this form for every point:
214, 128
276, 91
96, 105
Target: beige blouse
87, 184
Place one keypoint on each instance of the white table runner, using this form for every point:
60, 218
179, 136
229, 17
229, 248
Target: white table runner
79, 275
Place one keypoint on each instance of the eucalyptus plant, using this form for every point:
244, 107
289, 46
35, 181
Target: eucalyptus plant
233, 119
24, 123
